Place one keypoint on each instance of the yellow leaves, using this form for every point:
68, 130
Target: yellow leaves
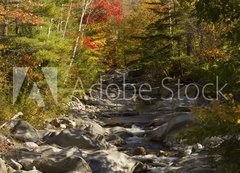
215, 53
238, 121
2, 46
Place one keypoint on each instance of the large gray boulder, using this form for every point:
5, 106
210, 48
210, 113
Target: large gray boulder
90, 126
106, 161
50, 160
71, 122
175, 125
23, 131
79, 138
22, 158
193, 163
67, 160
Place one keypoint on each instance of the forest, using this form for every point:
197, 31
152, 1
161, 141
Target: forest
121, 86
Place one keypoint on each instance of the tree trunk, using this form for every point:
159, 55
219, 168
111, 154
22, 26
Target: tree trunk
81, 33
68, 17
201, 44
6, 23
189, 44
178, 40
50, 27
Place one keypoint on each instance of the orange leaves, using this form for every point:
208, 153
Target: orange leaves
36, 76
27, 61
22, 13
88, 43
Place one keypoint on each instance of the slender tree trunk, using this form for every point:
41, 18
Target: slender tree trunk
60, 20
17, 26
170, 18
178, 40
81, 32
201, 44
6, 23
50, 27
68, 17
189, 44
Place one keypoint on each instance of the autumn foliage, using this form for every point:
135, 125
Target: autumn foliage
87, 42
103, 10
22, 13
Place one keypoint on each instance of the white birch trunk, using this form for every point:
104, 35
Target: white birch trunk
68, 17
85, 5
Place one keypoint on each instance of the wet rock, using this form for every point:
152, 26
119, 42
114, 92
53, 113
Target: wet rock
161, 120
155, 161
15, 165
121, 132
23, 131
174, 126
30, 145
183, 109
49, 159
167, 153
163, 104
157, 134
90, 126
115, 140
213, 142
3, 168
193, 164
140, 151
197, 147
62, 123
106, 161
79, 138
187, 150
32, 171
67, 160
24, 157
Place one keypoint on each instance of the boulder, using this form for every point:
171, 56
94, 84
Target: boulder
157, 133
193, 164
140, 151
67, 160
23, 131
23, 157
90, 126
175, 125
32, 171
30, 145
3, 168
106, 161
15, 165
49, 159
115, 140
62, 123
79, 138
155, 161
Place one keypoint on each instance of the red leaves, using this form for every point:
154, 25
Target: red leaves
88, 43
116, 11
104, 9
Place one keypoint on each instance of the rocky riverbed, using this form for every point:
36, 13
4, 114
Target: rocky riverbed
109, 136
